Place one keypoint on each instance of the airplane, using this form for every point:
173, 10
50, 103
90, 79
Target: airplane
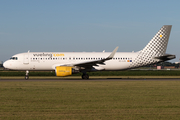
68, 63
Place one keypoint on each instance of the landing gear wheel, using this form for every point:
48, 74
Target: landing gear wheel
85, 76
27, 75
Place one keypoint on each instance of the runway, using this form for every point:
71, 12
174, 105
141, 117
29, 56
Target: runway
107, 79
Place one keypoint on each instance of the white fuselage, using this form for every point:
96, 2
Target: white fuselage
67, 63
49, 60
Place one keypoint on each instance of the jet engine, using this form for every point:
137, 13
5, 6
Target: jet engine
62, 71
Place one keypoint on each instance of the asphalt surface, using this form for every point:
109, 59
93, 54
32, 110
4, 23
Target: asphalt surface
107, 79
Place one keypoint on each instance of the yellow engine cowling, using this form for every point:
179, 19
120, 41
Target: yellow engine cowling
62, 71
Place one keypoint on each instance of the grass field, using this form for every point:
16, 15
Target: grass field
42, 100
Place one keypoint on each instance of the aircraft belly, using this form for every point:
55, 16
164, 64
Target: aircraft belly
117, 66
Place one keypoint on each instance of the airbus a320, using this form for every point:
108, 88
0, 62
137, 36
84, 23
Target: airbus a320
68, 63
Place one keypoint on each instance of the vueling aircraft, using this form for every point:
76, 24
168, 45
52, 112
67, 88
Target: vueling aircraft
68, 63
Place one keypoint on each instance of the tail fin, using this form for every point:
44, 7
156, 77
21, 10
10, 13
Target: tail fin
158, 44
154, 49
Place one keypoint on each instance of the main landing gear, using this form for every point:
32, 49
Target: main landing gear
85, 76
27, 75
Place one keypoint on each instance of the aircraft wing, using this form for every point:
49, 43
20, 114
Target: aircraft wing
89, 64
95, 62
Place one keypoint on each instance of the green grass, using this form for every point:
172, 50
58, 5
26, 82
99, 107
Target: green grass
37, 100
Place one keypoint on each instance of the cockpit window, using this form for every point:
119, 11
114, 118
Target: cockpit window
14, 58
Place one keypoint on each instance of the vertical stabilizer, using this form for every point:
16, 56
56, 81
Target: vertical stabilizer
155, 48
158, 44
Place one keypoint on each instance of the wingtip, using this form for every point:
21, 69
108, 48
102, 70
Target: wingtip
113, 52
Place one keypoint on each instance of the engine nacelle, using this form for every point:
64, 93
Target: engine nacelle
62, 71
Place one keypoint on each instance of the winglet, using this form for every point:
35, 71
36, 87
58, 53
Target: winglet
113, 53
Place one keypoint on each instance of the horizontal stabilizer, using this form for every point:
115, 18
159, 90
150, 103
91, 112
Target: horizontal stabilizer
165, 57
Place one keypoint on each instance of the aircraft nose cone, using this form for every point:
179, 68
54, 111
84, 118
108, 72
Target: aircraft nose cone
5, 64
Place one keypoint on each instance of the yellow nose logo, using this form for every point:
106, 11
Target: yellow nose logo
160, 36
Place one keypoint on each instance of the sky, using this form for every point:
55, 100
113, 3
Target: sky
85, 25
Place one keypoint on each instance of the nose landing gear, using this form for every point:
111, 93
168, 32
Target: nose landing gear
27, 75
